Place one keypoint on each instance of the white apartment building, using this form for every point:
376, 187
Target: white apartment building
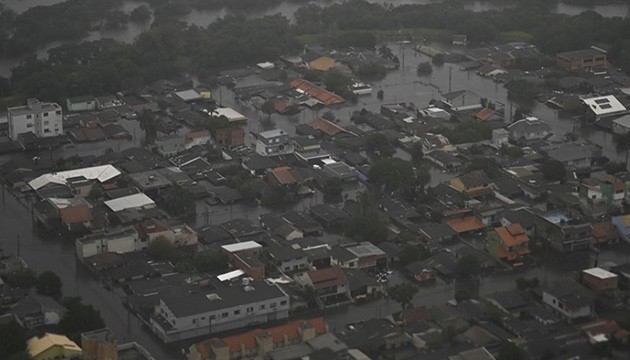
123, 241
42, 119
193, 313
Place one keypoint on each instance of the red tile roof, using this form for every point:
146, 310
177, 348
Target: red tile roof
327, 127
484, 114
512, 235
328, 277
466, 224
284, 175
197, 134
76, 214
248, 339
317, 92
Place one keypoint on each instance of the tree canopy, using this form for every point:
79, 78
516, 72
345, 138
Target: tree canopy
161, 249
48, 283
403, 293
80, 318
553, 170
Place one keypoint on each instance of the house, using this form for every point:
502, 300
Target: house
322, 96
194, 138
500, 137
509, 243
273, 142
280, 226
461, 100
435, 142
218, 309
258, 343
473, 184
178, 235
363, 255
107, 102
528, 129
362, 285
480, 353
77, 216
52, 346
81, 103
510, 302
599, 279
567, 302
466, 224
120, 241
326, 127
319, 63
41, 119
420, 272
564, 234
229, 137
34, 311
233, 116
602, 107
444, 159
329, 216
101, 173
339, 170
283, 176
592, 57
287, 258
459, 40
437, 233
622, 223
490, 70
604, 233
523, 217
132, 208
621, 125
304, 222
576, 155
188, 96
330, 285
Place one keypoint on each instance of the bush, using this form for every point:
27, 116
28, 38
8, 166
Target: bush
424, 69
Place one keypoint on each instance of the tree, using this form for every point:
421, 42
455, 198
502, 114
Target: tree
211, 260
148, 123
438, 59
553, 170
48, 283
468, 266
411, 253
80, 318
392, 174
424, 69
161, 249
268, 108
13, 340
380, 145
140, 14
95, 192
22, 278
523, 284
417, 152
403, 294
614, 167
509, 351
380, 94
333, 188
385, 52
179, 201
366, 225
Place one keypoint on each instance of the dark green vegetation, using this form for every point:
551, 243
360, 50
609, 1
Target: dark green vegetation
171, 48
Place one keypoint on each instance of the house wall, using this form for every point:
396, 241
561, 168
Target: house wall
570, 63
561, 309
600, 284
81, 106
222, 319
622, 228
42, 122
57, 352
294, 264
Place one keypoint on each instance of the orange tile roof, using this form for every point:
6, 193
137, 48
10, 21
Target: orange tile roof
466, 224
327, 127
76, 214
327, 277
197, 134
512, 235
317, 92
284, 175
604, 231
248, 339
484, 114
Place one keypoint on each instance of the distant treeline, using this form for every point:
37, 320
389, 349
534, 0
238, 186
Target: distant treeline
171, 48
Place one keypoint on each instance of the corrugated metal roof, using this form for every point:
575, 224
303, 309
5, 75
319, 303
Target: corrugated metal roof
101, 173
129, 202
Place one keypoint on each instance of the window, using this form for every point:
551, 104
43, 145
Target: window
212, 317
250, 310
224, 315
236, 312
46, 130
46, 122
29, 125
273, 305
45, 114
283, 302
262, 307
194, 321
29, 116
58, 112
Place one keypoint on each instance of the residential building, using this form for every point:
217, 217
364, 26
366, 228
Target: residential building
288, 259
233, 116
178, 235
118, 241
509, 301
363, 255
474, 354
575, 155
509, 243
41, 119
602, 107
500, 137
258, 342
459, 40
320, 95
229, 137
52, 347
99, 345
599, 279
466, 224
605, 233
473, 184
34, 311
528, 129
101, 173
217, 310
592, 57
81, 103
568, 236
434, 142
330, 285
567, 302
273, 142
622, 223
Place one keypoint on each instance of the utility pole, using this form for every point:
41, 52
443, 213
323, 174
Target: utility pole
450, 77
18, 245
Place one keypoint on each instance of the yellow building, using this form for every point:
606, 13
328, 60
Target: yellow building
53, 347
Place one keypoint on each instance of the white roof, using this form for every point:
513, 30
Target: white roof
101, 173
188, 95
247, 245
229, 113
230, 275
328, 161
129, 202
266, 65
603, 105
600, 273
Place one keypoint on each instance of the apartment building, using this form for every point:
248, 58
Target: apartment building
42, 119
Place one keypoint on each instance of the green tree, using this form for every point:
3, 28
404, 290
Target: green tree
509, 351
48, 283
468, 266
211, 260
79, 318
403, 294
553, 170
424, 69
392, 174
411, 253
161, 249
333, 188
380, 145
179, 201
417, 152
22, 278
268, 108
380, 94
366, 225
148, 123
13, 340
95, 192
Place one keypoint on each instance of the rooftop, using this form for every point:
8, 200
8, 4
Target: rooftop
600, 273
101, 173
